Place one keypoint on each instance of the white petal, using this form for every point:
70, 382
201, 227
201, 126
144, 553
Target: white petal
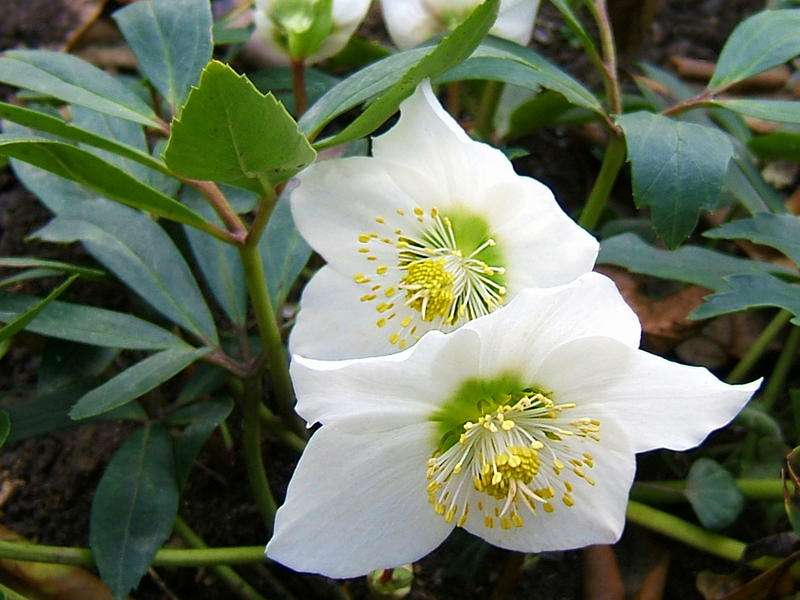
515, 21
520, 336
411, 22
358, 503
598, 515
347, 16
661, 404
381, 393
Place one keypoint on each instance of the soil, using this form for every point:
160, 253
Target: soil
47, 482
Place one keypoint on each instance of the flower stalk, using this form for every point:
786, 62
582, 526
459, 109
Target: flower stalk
484, 125
612, 163
254, 459
610, 71
754, 353
778, 377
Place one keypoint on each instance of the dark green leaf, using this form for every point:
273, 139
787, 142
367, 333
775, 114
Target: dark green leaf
65, 363
781, 145
13, 262
133, 508
5, 427
136, 381
678, 170
453, 49
278, 80
88, 325
205, 379
19, 323
230, 132
752, 290
96, 174
782, 111
763, 41
712, 492
172, 43
691, 264
540, 111
140, 253
203, 418
777, 231
283, 251
745, 182
74, 81
29, 274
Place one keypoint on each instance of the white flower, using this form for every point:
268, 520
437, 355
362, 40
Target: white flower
434, 230
521, 427
302, 29
411, 22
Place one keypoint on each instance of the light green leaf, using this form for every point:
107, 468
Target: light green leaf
712, 492
678, 170
5, 427
74, 81
691, 264
133, 508
88, 325
96, 174
20, 322
777, 231
136, 381
781, 145
140, 253
230, 132
171, 40
752, 290
453, 49
782, 111
763, 41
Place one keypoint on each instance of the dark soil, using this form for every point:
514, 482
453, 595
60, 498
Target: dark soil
48, 482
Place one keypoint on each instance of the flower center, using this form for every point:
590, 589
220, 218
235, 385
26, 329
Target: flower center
448, 270
521, 452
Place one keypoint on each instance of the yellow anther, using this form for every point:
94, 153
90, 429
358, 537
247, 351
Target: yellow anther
380, 322
505, 523
389, 291
418, 211
364, 238
488, 521
381, 270
403, 343
401, 212
406, 322
516, 519
380, 220
361, 278
364, 250
393, 338
568, 500
548, 508
382, 307
508, 425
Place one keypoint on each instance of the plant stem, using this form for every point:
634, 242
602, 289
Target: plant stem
484, 124
228, 575
758, 348
612, 163
221, 206
778, 376
10, 594
253, 457
278, 429
610, 72
299, 87
454, 99
510, 576
671, 492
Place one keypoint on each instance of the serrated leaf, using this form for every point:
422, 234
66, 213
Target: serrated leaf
763, 41
141, 254
691, 264
136, 381
92, 172
20, 322
5, 427
751, 290
133, 508
171, 40
678, 170
453, 49
202, 418
230, 132
283, 251
88, 325
782, 111
74, 81
712, 492
776, 231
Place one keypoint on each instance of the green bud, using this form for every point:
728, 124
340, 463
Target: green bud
302, 25
391, 584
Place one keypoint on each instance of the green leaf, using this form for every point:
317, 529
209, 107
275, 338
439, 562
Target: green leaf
136, 381
745, 182
133, 508
204, 380
85, 168
202, 419
22, 321
74, 81
171, 40
782, 111
13, 262
752, 290
453, 49
781, 145
278, 80
776, 231
763, 41
283, 251
540, 111
230, 132
66, 363
88, 325
691, 264
678, 170
5, 427
141, 254
712, 492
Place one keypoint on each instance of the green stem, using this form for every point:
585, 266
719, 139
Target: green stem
778, 377
228, 575
610, 72
692, 535
10, 594
758, 348
253, 457
167, 557
671, 492
221, 206
490, 99
278, 429
612, 163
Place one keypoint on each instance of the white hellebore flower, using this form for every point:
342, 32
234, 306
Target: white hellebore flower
432, 231
411, 22
307, 30
521, 427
